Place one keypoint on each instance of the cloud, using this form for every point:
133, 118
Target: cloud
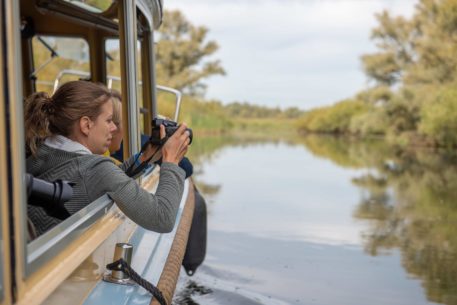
278, 46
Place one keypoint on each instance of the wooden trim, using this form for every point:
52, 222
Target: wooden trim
97, 52
125, 111
43, 282
4, 206
16, 133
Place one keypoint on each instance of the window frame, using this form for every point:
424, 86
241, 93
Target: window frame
5, 269
42, 250
15, 129
60, 75
40, 261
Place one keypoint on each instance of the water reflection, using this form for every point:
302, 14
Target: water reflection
410, 201
206, 149
400, 202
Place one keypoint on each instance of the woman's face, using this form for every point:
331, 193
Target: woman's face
117, 137
101, 132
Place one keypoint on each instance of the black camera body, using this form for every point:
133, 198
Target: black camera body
170, 129
51, 196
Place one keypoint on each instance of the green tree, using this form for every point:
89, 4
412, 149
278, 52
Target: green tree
182, 53
435, 44
439, 117
395, 38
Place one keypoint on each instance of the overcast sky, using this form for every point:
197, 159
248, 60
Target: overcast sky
303, 53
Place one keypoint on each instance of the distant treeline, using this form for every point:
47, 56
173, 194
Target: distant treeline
413, 96
246, 110
213, 116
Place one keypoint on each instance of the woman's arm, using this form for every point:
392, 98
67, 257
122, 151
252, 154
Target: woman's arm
153, 212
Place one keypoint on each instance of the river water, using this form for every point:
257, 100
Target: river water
323, 220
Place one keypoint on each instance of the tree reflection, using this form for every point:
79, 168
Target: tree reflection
409, 199
206, 148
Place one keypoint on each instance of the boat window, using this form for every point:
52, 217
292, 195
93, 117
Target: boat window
94, 6
139, 77
113, 64
168, 100
113, 72
58, 60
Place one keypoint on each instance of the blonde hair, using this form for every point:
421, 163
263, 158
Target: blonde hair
117, 108
56, 115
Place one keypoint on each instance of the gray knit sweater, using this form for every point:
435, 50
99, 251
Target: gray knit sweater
95, 176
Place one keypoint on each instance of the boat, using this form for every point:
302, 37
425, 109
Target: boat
49, 42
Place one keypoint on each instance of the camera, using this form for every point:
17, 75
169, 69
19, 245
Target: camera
170, 128
51, 196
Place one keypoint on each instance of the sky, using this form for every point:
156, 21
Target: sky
289, 53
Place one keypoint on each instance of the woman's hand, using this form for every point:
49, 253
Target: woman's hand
176, 146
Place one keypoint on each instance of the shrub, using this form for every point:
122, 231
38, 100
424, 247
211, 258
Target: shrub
439, 117
332, 119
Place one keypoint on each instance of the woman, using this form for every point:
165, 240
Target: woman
115, 149
117, 120
64, 134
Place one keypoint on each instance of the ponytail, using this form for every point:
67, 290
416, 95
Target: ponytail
38, 109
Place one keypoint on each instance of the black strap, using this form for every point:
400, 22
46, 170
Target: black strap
131, 172
121, 265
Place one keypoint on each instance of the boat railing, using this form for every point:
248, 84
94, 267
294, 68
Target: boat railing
111, 78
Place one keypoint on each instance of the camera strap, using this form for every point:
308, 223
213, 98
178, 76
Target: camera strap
131, 171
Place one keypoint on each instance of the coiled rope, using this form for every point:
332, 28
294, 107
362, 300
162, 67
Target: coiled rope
121, 265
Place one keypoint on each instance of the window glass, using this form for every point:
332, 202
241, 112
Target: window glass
113, 64
95, 6
113, 69
58, 60
139, 77
166, 103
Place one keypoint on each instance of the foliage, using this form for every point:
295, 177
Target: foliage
414, 72
394, 38
439, 117
377, 95
333, 119
372, 122
246, 110
204, 116
182, 54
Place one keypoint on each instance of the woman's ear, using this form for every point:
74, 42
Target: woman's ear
85, 124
